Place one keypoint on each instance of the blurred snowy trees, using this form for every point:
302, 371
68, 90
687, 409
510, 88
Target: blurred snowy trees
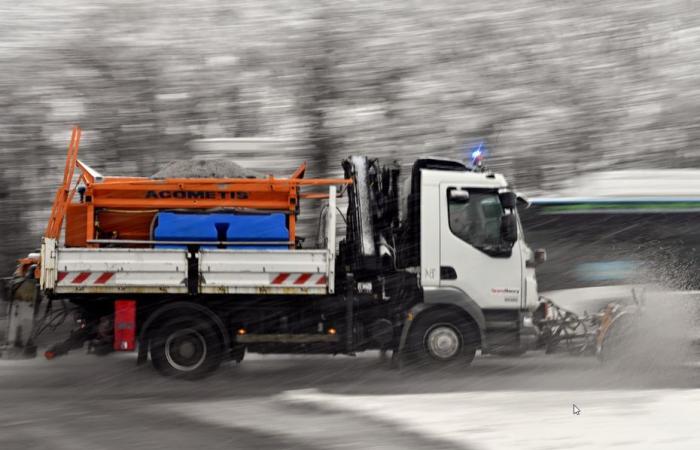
554, 88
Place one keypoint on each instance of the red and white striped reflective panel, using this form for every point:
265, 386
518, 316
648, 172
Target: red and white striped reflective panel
85, 278
298, 279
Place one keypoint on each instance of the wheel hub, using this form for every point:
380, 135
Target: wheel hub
443, 342
185, 349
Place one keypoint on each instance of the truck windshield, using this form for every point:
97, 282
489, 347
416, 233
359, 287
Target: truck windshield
478, 221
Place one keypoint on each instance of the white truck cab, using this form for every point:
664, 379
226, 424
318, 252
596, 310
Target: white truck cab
470, 258
464, 248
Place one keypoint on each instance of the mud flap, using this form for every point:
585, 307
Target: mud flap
397, 355
24, 301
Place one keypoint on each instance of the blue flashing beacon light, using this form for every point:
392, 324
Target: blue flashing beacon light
477, 155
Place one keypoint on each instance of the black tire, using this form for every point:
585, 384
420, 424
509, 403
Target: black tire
441, 338
186, 348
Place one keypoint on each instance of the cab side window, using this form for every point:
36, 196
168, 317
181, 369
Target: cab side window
477, 220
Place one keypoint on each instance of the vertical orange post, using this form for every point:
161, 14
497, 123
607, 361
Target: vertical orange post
292, 230
293, 204
90, 225
60, 203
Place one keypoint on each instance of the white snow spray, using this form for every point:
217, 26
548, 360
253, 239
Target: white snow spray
661, 332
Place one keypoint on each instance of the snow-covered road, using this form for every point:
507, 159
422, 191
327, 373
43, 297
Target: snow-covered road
321, 402
537, 420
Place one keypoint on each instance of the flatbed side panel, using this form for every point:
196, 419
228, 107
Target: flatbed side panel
264, 271
106, 270
261, 290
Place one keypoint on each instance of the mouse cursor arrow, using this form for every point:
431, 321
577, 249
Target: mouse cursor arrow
577, 411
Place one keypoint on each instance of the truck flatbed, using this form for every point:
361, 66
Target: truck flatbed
105, 270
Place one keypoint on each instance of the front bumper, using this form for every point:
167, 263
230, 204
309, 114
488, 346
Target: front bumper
528, 333
516, 335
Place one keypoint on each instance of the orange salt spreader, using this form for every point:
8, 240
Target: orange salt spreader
112, 210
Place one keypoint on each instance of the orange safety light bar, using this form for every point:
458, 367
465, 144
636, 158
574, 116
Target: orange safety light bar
138, 194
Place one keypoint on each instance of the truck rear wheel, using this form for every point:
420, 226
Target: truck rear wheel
438, 338
188, 348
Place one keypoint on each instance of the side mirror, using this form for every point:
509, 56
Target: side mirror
508, 199
509, 228
540, 256
458, 196
523, 200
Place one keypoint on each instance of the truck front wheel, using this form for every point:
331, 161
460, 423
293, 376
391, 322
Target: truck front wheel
187, 348
438, 338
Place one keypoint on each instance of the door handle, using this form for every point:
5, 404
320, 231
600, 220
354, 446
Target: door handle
447, 273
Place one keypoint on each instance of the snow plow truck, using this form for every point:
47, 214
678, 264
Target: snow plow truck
191, 272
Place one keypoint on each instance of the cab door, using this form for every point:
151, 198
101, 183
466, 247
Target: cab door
473, 255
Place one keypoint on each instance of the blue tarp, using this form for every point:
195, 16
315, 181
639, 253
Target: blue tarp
222, 227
